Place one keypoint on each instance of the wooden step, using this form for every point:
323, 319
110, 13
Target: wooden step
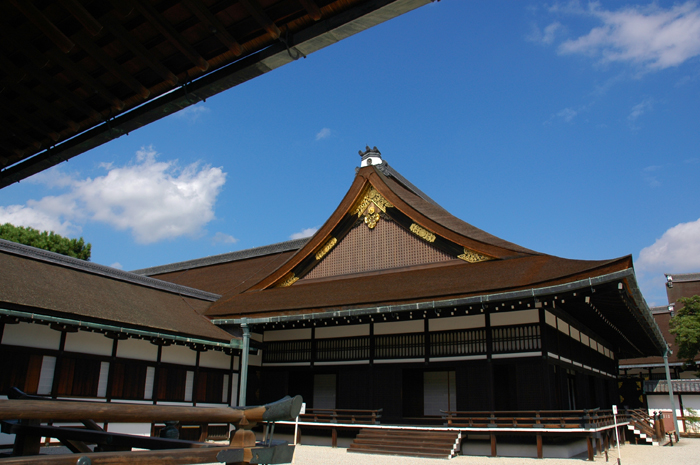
414, 443
407, 454
425, 445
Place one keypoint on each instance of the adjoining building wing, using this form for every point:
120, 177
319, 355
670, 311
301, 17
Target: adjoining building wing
52, 288
71, 328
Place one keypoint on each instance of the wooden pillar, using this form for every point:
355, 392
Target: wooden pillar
489, 363
599, 445
334, 438
606, 444
539, 446
493, 445
589, 443
26, 444
426, 339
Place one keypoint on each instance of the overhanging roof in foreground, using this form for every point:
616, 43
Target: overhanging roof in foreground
78, 74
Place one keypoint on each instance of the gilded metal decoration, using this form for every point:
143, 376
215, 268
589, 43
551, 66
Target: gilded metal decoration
370, 201
371, 217
372, 197
289, 279
473, 257
326, 248
422, 233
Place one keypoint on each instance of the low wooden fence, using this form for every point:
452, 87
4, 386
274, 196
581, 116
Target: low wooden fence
579, 419
348, 416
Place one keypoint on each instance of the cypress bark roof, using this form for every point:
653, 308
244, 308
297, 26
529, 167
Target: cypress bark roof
51, 284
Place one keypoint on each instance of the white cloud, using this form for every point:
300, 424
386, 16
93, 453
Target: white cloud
547, 35
37, 218
567, 114
192, 113
649, 176
652, 37
308, 232
154, 200
221, 238
639, 109
676, 251
324, 133
117, 265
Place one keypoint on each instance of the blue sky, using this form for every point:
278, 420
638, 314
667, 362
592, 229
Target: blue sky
569, 128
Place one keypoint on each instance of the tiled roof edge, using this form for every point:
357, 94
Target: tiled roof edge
225, 257
102, 270
679, 385
391, 172
684, 277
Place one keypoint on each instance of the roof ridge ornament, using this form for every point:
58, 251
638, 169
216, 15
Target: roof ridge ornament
371, 156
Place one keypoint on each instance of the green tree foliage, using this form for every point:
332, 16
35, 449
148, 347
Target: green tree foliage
76, 248
686, 327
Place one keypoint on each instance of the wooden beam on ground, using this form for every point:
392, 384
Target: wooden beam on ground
216, 26
257, 12
171, 34
271, 455
30, 409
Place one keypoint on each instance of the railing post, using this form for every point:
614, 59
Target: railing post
493, 421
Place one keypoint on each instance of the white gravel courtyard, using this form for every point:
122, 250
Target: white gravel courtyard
687, 452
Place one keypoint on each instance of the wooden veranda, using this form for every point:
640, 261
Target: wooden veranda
595, 425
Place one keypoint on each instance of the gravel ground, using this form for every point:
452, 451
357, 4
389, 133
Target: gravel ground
687, 452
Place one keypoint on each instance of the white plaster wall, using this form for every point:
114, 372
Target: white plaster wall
102, 383
287, 334
562, 326
342, 331
88, 343
189, 385
398, 327
520, 317
181, 355
550, 319
137, 349
215, 359
234, 389
255, 360
575, 334
48, 366
457, 322
31, 335
141, 429
661, 402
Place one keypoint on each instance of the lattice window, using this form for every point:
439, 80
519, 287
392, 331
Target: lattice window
399, 346
353, 348
287, 352
386, 246
460, 342
521, 338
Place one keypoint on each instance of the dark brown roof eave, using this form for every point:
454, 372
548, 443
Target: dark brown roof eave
233, 343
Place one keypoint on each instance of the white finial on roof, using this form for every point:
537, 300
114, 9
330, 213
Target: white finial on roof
371, 156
